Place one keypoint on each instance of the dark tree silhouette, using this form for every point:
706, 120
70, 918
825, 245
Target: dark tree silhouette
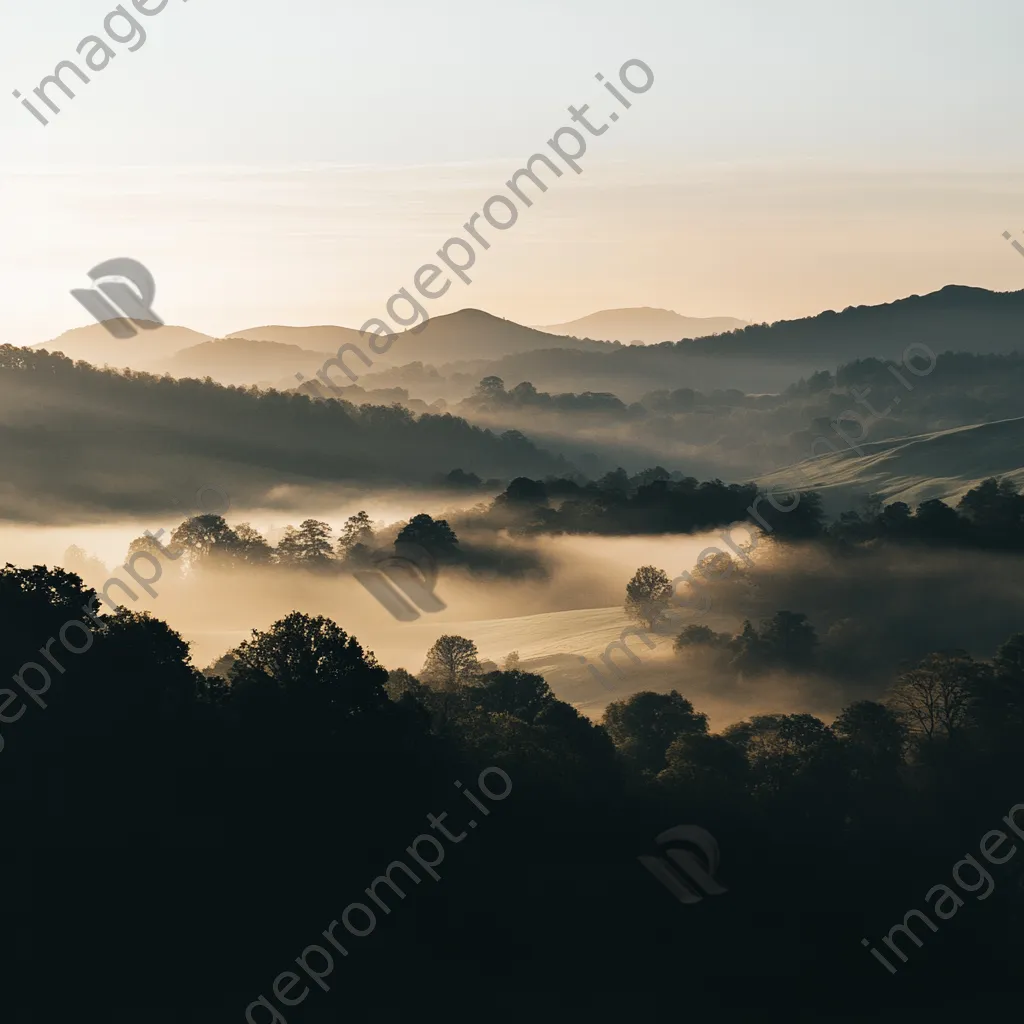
311, 669
935, 699
203, 537
644, 725
433, 535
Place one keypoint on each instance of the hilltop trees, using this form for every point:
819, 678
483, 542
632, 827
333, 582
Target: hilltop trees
644, 726
990, 515
309, 670
787, 640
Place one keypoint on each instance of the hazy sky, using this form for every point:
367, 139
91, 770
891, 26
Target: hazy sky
296, 163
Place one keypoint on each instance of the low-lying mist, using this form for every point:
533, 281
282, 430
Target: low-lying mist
873, 609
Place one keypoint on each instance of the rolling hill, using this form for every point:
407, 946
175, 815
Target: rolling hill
644, 324
237, 360
944, 464
756, 358
957, 318
147, 350
472, 334
77, 442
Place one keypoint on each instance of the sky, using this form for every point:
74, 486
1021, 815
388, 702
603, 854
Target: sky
295, 164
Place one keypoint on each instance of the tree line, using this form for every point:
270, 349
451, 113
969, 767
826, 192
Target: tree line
200, 822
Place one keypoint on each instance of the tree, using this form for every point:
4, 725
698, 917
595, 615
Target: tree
718, 566
524, 393
706, 766
523, 491
1009, 659
936, 521
491, 388
647, 595
698, 636
309, 545
649, 476
358, 530
252, 545
790, 754
433, 535
999, 703
511, 661
895, 519
522, 694
204, 536
318, 672
789, 639
89, 567
934, 700
150, 546
644, 725
314, 539
401, 683
802, 515
996, 509
615, 481
748, 649
451, 663
873, 738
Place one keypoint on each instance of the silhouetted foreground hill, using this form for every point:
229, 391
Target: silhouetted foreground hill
74, 440
469, 827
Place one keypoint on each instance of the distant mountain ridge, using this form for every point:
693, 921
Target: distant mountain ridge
758, 357
645, 324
